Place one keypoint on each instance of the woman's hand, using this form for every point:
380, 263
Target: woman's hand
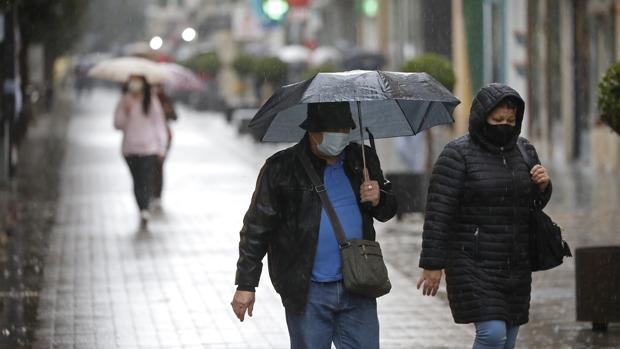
429, 281
540, 177
126, 106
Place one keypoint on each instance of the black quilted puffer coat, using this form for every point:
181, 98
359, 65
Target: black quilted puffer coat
477, 220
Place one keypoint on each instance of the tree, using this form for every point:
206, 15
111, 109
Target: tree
271, 70
208, 63
55, 24
434, 64
609, 97
439, 68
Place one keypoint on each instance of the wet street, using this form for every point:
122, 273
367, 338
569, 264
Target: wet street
107, 285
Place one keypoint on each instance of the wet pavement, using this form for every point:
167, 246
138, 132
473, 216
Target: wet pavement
109, 286
106, 285
27, 211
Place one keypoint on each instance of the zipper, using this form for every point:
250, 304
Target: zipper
514, 208
476, 244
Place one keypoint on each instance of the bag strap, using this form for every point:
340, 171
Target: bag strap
319, 188
524, 154
530, 164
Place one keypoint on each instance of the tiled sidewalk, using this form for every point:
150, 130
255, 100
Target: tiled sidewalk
108, 286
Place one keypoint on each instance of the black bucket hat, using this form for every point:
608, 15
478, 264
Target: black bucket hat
327, 116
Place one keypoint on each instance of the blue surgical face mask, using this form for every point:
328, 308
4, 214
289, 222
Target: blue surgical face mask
333, 143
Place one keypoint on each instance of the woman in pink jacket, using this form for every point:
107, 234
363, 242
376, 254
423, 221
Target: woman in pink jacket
141, 118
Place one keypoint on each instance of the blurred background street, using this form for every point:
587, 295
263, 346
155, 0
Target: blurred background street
77, 272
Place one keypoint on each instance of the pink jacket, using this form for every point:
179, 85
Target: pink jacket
142, 134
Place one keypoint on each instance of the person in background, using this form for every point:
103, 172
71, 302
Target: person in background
477, 224
140, 117
170, 115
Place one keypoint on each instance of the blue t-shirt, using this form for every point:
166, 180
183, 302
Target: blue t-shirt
327, 262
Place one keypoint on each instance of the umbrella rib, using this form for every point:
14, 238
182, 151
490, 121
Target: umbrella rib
405, 116
425, 115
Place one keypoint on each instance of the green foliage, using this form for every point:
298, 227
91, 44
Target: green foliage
609, 97
324, 68
271, 69
244, 65
205, 63
434, 64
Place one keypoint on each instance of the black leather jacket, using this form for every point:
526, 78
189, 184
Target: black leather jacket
284, 217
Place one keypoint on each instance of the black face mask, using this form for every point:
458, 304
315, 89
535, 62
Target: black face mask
498, 134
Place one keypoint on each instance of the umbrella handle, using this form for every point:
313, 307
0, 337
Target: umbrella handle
359, 118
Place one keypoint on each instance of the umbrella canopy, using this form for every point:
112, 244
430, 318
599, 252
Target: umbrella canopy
293, 54
326, 55
181, 78
120, 69
388, 104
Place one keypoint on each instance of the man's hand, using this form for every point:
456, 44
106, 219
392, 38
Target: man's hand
540, 177
242, 301
430, 280
370, 192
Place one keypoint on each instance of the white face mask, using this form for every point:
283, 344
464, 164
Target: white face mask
333, 143
135, 86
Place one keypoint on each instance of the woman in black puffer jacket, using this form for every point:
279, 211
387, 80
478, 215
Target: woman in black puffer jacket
477, 220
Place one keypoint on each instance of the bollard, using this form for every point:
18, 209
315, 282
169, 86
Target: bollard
597, 274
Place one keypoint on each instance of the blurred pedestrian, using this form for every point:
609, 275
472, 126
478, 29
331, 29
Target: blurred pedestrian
140, 116
477, 220
286, 221
170, 115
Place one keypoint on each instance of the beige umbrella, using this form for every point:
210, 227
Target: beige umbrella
120, 69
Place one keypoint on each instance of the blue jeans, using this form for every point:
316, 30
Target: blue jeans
334, 315
495, 334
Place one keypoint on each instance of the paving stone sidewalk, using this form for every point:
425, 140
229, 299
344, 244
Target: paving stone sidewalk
106, 285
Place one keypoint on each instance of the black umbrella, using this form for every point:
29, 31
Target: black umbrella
386, 104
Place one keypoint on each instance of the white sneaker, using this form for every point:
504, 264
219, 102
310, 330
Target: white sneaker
145, 216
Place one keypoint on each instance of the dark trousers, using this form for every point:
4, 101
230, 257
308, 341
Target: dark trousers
142, 170
158, 178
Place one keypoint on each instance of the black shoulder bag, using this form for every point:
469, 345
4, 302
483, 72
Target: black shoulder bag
363, 268
547, 248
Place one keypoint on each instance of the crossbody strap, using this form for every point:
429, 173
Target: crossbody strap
319, 188
524, 154
530, 164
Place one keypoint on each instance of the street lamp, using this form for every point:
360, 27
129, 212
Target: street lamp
156, 43
188, 34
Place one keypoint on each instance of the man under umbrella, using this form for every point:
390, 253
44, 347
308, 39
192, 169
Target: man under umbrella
286, 221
